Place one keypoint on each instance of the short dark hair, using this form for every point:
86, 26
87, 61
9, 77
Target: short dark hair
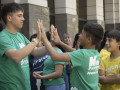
1, 26
33, 36
75, 39
102, 44
114, 34
9, 8
95, 31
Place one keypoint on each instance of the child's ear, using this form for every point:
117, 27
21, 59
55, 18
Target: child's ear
89, 39
119, 43
9, 18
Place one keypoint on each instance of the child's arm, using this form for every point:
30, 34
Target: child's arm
57, 41
56, 74
53, 53
101, 76
112, 79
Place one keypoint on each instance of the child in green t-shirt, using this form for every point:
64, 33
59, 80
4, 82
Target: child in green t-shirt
53, 71
85, 62
14, 50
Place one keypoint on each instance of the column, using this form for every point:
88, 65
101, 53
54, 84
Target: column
117, 14
33, 10
82, 13
66, 19
95, 11
112, 14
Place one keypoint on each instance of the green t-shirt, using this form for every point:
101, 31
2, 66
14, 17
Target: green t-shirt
49, 67
85, 64
13, 76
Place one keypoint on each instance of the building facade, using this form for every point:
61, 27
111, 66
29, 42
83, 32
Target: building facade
68, 16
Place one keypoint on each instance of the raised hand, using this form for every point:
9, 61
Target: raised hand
41, 30
52, 29
56, 38
54, 35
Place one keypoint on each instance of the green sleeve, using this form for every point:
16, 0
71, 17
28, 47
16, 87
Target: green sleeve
6, 43
57, 62
76, 57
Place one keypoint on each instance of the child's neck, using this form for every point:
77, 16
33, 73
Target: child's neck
11, 29
115, 54
89, 47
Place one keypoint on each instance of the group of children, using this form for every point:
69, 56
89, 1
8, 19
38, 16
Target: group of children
87, 72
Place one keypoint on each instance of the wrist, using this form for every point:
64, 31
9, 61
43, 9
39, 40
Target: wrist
61, 43
105, 80
42, 77
44, 40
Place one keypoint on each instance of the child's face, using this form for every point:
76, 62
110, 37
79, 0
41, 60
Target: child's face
16, 19
82, 38
112, 44
67, 39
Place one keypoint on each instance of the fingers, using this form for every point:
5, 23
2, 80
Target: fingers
52, 29
38, 23
36, 75
55, 31
41, 29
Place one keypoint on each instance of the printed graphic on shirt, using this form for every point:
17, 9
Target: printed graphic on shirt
118, 89
21, 45
24, 62
38, 62
74, 88
113, 68
93, 65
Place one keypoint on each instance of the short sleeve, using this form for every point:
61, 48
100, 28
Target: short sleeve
57, 62
76, 57
102, 65
5, 44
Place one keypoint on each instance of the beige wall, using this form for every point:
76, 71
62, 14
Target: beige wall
35, 2
104, 12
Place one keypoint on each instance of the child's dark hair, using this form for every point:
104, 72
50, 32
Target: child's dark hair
9, 8
103, 41
95, 31
76, 39
114, 34
1, 26
33, 36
